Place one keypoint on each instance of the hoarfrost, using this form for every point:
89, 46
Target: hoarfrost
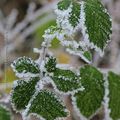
76, 108
106, 99
25, 112
63, 19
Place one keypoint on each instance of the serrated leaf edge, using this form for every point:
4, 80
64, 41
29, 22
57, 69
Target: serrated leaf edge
65, 93
23, 75
24, 113
85, 32
12, 104
77, 110
74, 103
55, 86
15, 84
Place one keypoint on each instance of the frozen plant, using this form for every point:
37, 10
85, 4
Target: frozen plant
89, 87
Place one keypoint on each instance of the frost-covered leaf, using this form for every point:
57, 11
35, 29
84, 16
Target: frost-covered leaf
114, 95
88, 55
72, 10
64, 4
25, 67
46, 105
89, 100
90, 17
51, 64
22, 92
75, 14
4, 113
66, 81
98, 24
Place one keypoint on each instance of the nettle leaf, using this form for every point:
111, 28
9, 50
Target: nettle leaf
45, 104
114, 95
90, 17
22, 92
25, 67
66, 81
98, 24
89, 100
4, 113
64, 4
75, 14
51, 64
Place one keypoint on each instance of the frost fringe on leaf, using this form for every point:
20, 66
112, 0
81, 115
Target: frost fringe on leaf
25, 67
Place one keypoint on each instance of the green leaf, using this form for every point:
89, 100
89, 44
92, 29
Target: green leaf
98, 23
4, 113
114, 95
25, 67
89, 101
66, 81
64, 4
88, 55
51, 64
22, 92
75, 14
90, 17
46, 105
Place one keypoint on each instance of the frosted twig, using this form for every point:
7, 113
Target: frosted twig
35, 25
30, 18
31, 9
11, 19
19, 27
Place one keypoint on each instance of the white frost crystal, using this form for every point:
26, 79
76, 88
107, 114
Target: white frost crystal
106, 99
63, 19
